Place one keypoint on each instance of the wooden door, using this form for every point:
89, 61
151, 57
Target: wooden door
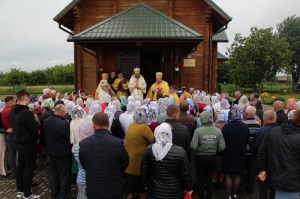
127, 61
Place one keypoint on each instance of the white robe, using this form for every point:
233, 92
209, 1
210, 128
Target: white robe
137, 93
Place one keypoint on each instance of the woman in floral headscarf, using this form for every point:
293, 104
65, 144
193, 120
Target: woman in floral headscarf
138, 137
78, 116
236, 136
162, 108
152, 115
48, 104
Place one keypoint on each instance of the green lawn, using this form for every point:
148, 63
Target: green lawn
267, 87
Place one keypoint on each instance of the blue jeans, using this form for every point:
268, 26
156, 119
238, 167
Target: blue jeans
286, 195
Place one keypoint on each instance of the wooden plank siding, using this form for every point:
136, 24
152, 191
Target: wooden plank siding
191, 13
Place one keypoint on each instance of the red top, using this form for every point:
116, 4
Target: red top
201, 107
153, 126
5, 117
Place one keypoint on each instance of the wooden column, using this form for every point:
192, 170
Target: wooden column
78, 49
207, 33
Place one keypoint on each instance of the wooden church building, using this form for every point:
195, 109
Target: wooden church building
154, 35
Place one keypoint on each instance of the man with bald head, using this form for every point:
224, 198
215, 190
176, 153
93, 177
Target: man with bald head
281, 116
270, 123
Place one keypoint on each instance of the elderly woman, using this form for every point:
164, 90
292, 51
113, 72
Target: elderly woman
225, 108
48, 104
205, 103
196, 101
127, 118
162, 108
290, 105
69, 108
152, 115
88, 104
165, 168
138, 137
236, 136
85, 130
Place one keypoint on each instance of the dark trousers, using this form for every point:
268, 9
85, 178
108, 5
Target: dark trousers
26, 161
12, 153
60, 177
263, 187
250, 167
205, 167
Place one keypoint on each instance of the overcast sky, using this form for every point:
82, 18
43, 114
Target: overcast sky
31, 40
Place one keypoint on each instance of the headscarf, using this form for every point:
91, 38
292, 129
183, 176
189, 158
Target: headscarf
66, 96
2, 105
139, 116
146, 101
290, 115
88, 102
110, 111
214, 100
130, 98
235, 113
208, 108
206, 100
79, 102
32, 98
91, 111
171, 101
131, 107
48, 103
243, 102
196, 98
96, 108
220, 117
117, 104
224, 104
289, 102
123, 101
162, 105
69, 107
152, 113
298, 103
37, 106
31, 107
189, 100
107, 98
85, 130
77, 112
145, 107
163, 141
138, 104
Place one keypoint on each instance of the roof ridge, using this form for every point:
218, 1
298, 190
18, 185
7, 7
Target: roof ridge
191, 31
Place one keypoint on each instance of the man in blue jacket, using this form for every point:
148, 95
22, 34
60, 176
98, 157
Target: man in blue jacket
269, 118
104, 158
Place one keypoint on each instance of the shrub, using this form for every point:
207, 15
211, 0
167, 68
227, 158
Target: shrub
280, 99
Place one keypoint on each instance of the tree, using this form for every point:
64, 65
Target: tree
63, 74
38, 77
17, 77
290, 30
257, 57
223, 73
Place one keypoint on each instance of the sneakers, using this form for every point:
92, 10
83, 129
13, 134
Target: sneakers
20, 194
32, 196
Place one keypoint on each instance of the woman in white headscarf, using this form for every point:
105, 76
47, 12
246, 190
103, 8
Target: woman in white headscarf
225, 108
152, 115
127, 118
88, 104
208, 107
163, 156
138, 137
69, 108
95, 108
205, 102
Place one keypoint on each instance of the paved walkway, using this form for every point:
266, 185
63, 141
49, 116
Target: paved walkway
8, 187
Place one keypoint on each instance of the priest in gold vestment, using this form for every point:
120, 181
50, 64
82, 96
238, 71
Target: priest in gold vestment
121, 85
104, 88
159, 86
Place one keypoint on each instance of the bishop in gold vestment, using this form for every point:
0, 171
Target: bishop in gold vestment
159, 86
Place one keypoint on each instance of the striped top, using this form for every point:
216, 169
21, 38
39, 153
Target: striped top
81, 173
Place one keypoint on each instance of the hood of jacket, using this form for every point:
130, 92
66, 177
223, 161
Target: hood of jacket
206, 118
290, 127
19, 107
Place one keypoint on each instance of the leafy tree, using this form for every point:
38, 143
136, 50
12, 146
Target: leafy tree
223, 73
38, 77
63, 74
17, 77
290, 30
257, 57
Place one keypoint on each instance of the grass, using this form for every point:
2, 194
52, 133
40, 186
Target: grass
7, 90
267, 87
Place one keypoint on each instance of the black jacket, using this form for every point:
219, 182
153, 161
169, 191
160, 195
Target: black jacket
258, 137
281, 117
166, 179
180, 135
116, 129
104, 159
57, 136
279, 156
260, 114
24, 126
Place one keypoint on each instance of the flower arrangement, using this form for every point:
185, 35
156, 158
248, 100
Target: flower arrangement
101, 65
178, 65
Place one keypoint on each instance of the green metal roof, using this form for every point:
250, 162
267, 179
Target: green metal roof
222, 57
221, 37
138, 22
66, 9
219, 10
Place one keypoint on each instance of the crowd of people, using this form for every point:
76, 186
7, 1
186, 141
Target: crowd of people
164, 146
